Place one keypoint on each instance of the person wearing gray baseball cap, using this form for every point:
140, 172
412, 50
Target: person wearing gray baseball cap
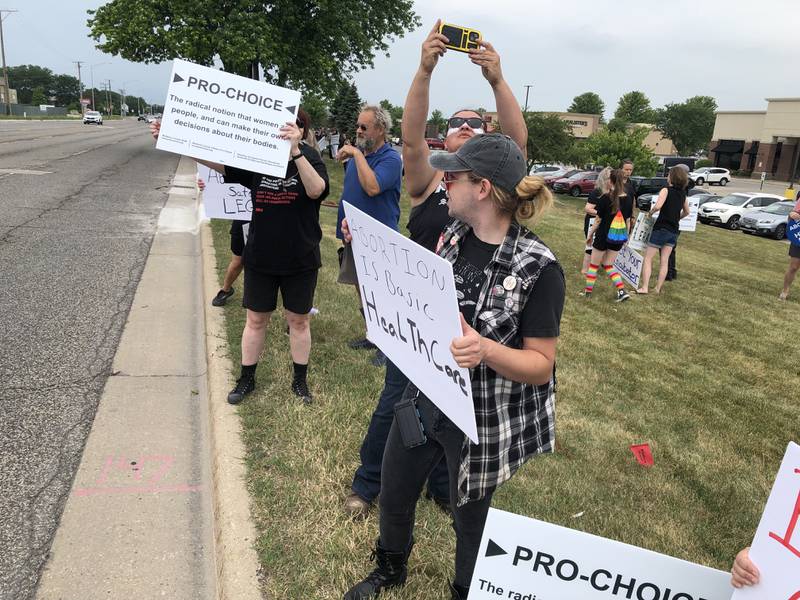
510, 289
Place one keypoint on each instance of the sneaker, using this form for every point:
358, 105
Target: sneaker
585, 294
379, 360
362, 344
300, 389
244, 385
356, 506
222, 297
622, 295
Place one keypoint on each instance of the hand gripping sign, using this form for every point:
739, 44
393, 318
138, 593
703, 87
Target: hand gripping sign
776, 545
227, 119
409, 299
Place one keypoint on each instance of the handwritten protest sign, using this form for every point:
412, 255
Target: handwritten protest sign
642, 229
776, 545
526, 559
409, 299
224, 200
227, 119
689, 222
629, 264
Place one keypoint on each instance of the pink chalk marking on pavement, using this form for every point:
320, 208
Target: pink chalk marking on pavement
110, 491
124, 466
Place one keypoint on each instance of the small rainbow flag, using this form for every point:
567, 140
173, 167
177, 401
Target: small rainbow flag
618, 232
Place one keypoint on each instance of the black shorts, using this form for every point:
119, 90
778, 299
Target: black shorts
603, 244
794, 251
297, 291
237, 237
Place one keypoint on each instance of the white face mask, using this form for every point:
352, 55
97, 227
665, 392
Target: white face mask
453, 130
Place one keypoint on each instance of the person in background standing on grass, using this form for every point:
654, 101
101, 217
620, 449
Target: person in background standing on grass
794, 255
608, 234
601, 187
672, 269
671, 207
334, 143
372, 182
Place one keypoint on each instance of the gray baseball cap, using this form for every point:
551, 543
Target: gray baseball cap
682, 166
493, 156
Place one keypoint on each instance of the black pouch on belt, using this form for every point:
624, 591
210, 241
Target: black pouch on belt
408, 421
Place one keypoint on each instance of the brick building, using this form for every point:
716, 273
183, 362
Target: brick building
756, 141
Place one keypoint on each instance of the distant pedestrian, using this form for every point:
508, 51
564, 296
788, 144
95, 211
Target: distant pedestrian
794, 255
608, 234
334, 143
671, 207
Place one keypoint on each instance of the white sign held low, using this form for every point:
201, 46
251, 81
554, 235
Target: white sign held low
629, 264
526, 559
642, 229
409, 299
776, 545
224, 200
219, 117
689, 222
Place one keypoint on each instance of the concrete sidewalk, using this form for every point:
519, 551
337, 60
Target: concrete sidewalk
158, 507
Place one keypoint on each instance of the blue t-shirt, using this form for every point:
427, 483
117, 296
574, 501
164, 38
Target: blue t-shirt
385, 206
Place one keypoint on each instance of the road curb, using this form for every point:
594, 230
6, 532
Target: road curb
237, 563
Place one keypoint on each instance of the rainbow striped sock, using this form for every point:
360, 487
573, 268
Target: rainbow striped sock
616, 278
591, 277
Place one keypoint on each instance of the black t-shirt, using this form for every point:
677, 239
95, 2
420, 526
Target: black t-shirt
284, 231
594, 196
604, 213
542, 312
428, 219
630, 189
670, 213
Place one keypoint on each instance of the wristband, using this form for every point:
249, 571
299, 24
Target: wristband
295, 157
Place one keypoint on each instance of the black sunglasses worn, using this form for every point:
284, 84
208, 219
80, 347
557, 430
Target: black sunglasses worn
456, 122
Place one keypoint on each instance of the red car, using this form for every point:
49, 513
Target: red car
580, 183
435, 143
551, 178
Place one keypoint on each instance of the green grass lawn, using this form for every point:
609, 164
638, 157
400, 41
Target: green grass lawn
706, 373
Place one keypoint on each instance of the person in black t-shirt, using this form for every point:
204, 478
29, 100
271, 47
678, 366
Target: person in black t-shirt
671, 207
281, 254
601, 187
672, 271
608, 234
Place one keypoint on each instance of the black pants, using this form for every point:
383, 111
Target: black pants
672, 271
404, 473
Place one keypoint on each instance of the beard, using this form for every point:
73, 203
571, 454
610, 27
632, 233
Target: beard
365, 144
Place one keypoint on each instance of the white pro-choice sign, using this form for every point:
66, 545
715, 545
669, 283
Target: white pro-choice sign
526, 559
219, 117
689, 222
776, 545
224, 200
409, 299
629, 264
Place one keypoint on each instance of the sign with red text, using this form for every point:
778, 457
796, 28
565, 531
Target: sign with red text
526, 559
223, 118
776, 545
223, 200
410, 305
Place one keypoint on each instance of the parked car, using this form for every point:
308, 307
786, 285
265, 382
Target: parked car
648, 185
767, 221
706, 198
729, 210
644, 201
580, 183
551, 178
543, 170
710, 175
92, 116
435, 143
142, 118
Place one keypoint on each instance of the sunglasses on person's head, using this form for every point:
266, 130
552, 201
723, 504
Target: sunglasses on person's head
473, 122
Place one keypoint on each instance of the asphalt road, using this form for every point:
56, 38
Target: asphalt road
78, 210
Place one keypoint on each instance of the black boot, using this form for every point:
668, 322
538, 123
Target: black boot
391, 572
459, 592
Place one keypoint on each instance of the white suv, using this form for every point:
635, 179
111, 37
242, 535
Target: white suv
710, 175
92, 116
728, 210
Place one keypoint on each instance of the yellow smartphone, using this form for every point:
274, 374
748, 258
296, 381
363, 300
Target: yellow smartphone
460, 38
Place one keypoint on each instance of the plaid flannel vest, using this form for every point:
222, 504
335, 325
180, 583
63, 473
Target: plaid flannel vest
515, 421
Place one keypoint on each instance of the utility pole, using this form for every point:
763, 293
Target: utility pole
7, 93
107, 85
91, 73
80, 85
527, 91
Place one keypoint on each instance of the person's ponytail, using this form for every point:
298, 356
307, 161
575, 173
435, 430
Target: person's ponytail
534, 198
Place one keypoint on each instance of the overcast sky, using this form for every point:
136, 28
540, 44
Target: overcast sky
737, 51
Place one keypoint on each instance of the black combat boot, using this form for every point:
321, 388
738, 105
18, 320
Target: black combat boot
390, 572
459, 592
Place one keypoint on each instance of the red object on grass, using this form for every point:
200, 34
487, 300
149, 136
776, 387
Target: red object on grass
643, 454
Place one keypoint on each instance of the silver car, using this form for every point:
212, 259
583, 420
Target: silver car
770, 220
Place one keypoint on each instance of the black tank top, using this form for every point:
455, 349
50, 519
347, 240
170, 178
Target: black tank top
670, 212
428, 219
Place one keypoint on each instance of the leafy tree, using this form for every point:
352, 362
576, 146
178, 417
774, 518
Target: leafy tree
437, 122
550, 138
396, 113
588, 103
65, 89
309, 46
38, 96
317, 108
689, 124
345, 109
25, 78
634, 107
610, 148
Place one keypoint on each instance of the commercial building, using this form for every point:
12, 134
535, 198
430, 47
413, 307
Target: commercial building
582, 125
12, 96
759, 141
